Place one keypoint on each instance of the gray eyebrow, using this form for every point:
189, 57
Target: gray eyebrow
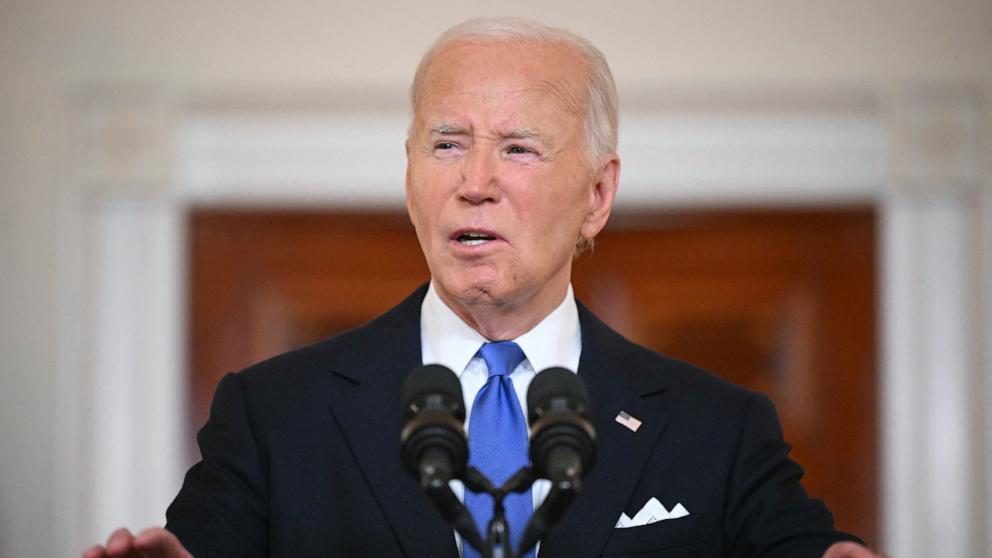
448, 129
444, 128
528, 133
524, 133
531, 133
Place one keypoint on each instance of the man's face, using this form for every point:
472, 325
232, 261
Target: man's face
499, 186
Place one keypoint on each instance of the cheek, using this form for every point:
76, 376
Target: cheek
553, 224
429, 184
420, 199
565, 204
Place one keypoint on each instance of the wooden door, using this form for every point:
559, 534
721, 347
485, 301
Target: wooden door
777, 301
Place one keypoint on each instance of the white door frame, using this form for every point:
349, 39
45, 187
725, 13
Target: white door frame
145, 157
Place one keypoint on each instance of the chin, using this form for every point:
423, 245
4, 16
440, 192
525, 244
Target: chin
477, 290
479, 293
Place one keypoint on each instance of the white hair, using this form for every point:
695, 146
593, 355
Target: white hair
601, 118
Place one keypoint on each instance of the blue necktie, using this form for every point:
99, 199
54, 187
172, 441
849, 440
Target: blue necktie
497, 442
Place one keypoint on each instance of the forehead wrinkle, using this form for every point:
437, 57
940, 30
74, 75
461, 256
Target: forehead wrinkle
562, 91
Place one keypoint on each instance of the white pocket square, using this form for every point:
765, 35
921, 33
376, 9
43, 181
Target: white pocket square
652, 512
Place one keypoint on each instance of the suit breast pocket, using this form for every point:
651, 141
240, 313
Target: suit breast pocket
683, 537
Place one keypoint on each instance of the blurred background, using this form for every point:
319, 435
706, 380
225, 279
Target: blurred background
805, 208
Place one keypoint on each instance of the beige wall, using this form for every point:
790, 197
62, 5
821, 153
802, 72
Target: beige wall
51, 53
226, 43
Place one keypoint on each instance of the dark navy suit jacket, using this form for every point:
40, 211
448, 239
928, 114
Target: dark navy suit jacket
301, 458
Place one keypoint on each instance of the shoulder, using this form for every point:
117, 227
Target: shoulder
685, 386
348, 357
645, 365
700, 396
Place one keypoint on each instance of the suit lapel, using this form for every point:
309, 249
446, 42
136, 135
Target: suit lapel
616, 383
367, 410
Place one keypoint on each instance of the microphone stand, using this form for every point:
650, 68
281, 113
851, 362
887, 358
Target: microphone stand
545, 517
434, 483
497, 543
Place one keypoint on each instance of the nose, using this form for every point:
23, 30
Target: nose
479, 182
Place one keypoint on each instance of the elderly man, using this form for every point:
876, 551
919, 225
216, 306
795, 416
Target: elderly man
512, 169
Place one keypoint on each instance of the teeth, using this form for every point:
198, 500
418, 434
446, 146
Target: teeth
474, 238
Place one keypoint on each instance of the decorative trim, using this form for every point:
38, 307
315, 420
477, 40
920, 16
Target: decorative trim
671, 156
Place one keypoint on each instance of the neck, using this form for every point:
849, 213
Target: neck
501, 321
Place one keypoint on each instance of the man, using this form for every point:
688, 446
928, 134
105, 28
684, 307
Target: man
512, 168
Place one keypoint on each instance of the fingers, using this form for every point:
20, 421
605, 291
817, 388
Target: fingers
154, 542
120, 542
157, 542
118, 545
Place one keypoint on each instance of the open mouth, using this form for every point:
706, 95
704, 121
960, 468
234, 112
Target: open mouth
474, 238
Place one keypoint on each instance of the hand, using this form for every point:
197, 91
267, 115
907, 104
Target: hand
155, 542
847, 550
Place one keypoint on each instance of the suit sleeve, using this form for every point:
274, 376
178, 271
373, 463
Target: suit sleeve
768, 512
221, 509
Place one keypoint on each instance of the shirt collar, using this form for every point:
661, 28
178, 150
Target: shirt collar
450, 342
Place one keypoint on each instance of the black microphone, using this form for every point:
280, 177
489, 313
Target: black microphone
562, 445
434, 444
563, 441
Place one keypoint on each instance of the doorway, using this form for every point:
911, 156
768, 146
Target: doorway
780, 301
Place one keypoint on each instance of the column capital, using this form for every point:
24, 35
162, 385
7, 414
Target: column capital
939, 138
124, 139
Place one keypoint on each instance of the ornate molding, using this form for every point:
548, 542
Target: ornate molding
125, 139
938, 135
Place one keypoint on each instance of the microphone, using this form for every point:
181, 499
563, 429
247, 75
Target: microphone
435, 448
563, 441
562, 445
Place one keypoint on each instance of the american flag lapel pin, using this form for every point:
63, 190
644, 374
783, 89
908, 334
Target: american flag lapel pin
630, 422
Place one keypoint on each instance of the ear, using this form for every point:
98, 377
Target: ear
409, 197
602, 195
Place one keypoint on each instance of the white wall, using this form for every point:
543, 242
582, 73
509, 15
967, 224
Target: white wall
57, 56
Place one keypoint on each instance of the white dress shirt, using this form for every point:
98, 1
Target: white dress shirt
446, 340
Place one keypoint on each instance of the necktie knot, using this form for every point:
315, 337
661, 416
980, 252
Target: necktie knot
501, 357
